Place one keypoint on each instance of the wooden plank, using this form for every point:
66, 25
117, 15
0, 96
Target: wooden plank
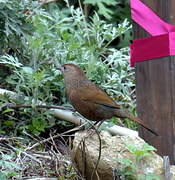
155, 89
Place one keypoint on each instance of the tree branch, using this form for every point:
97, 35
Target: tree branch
39, 106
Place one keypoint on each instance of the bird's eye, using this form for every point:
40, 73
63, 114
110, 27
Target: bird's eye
64, 67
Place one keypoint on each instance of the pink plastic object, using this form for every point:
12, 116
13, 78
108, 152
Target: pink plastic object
162, 40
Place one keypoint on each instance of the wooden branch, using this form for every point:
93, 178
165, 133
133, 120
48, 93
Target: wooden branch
73, 117
39, 106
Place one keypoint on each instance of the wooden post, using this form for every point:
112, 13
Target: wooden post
155, 88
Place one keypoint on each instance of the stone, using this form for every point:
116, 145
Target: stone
115, 154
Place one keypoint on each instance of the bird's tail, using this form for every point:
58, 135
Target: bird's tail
136, 119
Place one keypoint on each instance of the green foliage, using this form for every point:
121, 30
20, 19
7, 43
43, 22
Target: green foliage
8, 168
111, 10
130, 167
10, 61
13, 24
102, 6
140, 153
60, 36
114, 11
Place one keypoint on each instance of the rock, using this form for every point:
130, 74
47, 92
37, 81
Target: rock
121, 155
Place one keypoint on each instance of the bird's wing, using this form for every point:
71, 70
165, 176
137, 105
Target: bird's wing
94, 94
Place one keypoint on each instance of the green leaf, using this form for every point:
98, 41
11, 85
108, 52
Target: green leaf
28, 70
101, 4
39, 124
107, 2
152, 177
9, 123
6, 157
8, 110
2, 176
148, 147
10, 61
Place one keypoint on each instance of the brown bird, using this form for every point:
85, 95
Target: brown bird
89, 100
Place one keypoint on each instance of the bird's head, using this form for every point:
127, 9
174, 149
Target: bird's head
72, 72
69, 68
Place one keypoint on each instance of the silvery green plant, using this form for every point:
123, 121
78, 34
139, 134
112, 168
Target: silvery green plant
64, 36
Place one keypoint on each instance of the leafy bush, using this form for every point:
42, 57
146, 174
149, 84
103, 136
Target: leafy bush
8, 167
102, 6
61, 36
130, 167
13, 25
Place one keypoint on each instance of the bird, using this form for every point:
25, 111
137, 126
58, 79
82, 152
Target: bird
91, 101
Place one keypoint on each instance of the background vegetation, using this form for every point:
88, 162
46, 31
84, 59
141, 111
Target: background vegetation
37, 37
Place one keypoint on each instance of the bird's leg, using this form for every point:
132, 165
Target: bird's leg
95, 128
97, 124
